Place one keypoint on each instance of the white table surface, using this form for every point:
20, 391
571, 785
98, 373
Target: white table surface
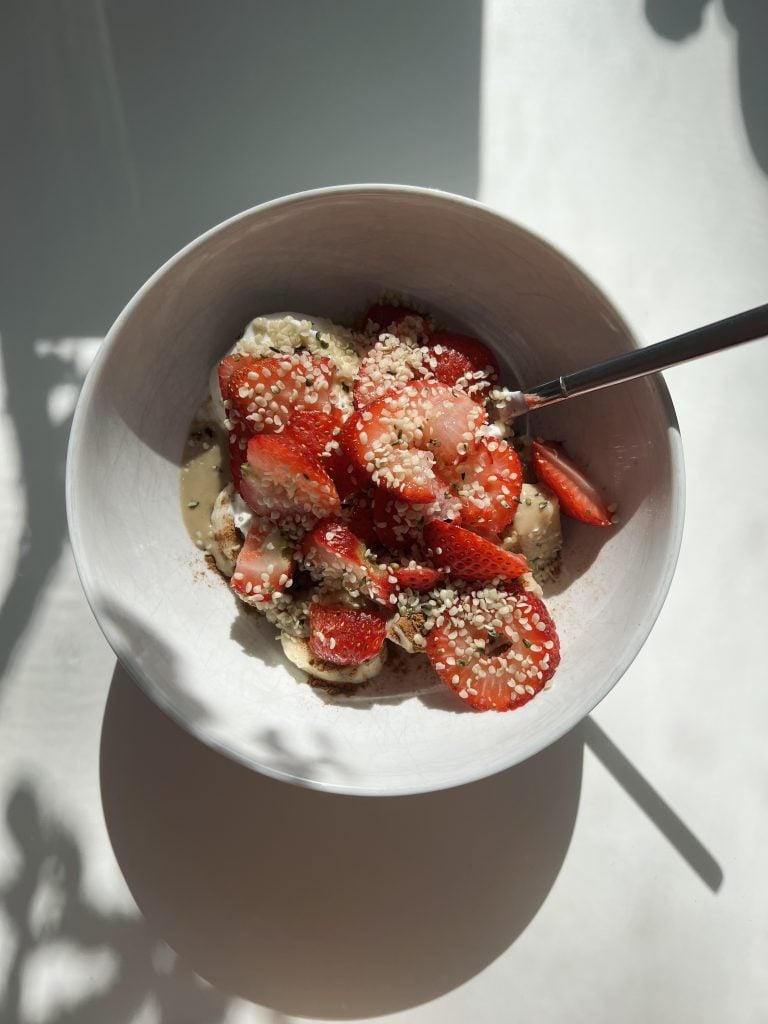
620, 875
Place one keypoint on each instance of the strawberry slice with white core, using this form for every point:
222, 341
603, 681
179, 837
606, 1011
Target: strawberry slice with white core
496, 647
333, 553
345, 636
401, 439
488, 485
578, 496
283, 483
264, 566
263, 394
469, 557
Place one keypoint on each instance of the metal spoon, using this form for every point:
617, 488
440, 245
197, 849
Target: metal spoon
722, 334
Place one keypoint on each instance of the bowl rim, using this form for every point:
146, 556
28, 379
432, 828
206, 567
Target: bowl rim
88, 578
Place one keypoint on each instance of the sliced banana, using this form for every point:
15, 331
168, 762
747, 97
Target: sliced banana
407, 631
297, 651
225, 538
535, 531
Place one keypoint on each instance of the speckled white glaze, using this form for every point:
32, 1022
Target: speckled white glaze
183, 636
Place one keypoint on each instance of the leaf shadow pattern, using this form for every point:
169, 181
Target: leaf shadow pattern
146, 971
321, 905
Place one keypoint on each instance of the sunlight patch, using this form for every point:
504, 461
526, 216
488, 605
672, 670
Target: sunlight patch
60, 978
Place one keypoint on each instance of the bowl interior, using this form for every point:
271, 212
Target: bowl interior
219, 670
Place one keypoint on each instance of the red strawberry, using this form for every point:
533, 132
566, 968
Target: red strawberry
381, 317
338, 462
282, 482
357, 513
459, 358
345, 636
397, 440
399, 524
390, 364
488, 484
333, 552
313, 429
264, 566
491, 666
578, 496
227, 367
416, 577
264, 394
469, 557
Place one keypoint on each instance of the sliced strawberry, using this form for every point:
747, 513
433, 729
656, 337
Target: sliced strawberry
390, 364
313, 429
357, 512
282, 482
345, 636
227, 367
382, 317
488, 486
332, 552
461, 361
416, 577
343, 468
497, 649
398, 524
469, 557
578, 496
264, 566
401, 439
264, 394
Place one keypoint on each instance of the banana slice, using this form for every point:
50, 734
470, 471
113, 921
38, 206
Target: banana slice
225, 538
297, 650
535, 531
407, 631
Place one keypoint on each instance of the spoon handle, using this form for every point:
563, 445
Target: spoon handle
734, 330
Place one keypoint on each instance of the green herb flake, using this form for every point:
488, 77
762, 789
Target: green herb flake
527, 643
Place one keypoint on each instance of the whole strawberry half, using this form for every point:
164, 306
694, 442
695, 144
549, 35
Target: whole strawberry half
469, 557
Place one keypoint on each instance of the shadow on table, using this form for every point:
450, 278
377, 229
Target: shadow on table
308, 903
324, 905
679, 19
335, 906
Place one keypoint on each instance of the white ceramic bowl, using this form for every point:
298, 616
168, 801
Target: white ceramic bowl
176, 626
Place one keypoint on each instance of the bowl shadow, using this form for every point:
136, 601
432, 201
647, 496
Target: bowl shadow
322, 905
